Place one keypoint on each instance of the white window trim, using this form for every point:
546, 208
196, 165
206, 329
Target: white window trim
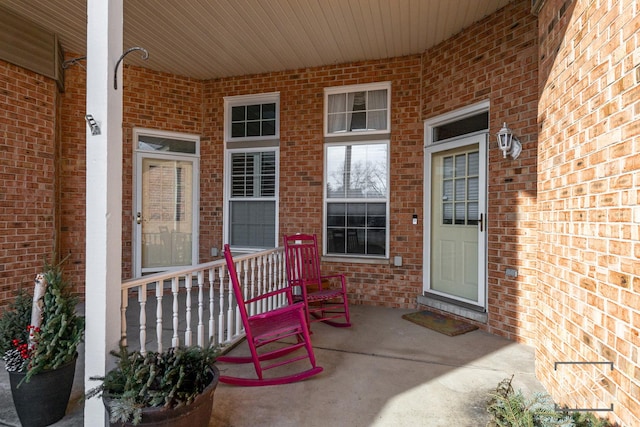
386, 200
227, 194
264, 98
356, 88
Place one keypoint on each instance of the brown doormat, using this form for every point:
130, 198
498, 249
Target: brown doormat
440, 323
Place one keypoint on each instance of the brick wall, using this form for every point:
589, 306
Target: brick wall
27, 176
589, 173
301, 165
496, 60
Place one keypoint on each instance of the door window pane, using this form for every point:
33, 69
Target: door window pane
460, 189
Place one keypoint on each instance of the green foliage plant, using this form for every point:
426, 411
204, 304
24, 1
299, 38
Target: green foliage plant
56, 341
62, 330
513, 409
14, 320
167, 379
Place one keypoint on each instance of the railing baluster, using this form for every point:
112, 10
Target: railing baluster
124, 304
188, 337
270, 287
159, 292
212, 322
221, 320
250, 282
200, 308
175, 339
230, 310
142, 300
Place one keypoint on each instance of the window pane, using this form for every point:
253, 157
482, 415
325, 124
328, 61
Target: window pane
154, 143
238, 130
447, 190
472, 185
447, 163
253, 128
460, 190
474, 163
335, 170
268, 111
269, 127
358, 121
336, 214
252, 224
377, 120
337, 122
238, 113
377, 99
376, 242
447, 213
472, 213
359, 101
460, 213
337, 103
356, 214
461, 165
461, 127
253, 112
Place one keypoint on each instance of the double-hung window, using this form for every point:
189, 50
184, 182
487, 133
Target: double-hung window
356, 195
251, 173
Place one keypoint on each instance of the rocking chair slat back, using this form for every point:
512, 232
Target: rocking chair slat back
285, 325
325, 297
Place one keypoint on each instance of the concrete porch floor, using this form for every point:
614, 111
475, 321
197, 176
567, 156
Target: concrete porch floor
383, 371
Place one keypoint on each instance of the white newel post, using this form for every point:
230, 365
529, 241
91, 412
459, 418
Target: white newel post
103, 196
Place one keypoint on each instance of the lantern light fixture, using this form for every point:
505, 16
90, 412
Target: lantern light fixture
508, 142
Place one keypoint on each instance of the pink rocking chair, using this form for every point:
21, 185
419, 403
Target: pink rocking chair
268, 328
325, 297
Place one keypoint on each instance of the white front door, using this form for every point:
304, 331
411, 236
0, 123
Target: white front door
455, 243
166, 205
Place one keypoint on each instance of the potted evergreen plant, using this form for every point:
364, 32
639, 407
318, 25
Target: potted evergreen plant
170, 388
39, 338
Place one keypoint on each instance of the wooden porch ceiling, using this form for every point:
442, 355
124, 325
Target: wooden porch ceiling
208, 39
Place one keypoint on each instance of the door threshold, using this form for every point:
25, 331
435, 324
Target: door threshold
458, 308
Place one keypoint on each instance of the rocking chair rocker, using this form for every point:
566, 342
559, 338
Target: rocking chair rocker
325, 297
270, 327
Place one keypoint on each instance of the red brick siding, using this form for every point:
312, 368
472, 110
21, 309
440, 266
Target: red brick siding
72, 161
27, 176
589, 274
496, 60
301, 165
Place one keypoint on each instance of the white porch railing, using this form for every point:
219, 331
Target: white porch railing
202, 309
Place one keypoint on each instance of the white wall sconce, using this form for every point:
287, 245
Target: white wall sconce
508, 142
93, 125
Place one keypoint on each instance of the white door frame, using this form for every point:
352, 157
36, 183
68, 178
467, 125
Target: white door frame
431, 148
137, 193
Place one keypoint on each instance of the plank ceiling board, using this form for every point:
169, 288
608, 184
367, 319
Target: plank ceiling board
207, 39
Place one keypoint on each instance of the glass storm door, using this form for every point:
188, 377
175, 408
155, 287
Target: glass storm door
457, 211
165, 216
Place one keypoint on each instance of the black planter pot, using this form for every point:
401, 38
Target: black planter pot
196, 414
43, 400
